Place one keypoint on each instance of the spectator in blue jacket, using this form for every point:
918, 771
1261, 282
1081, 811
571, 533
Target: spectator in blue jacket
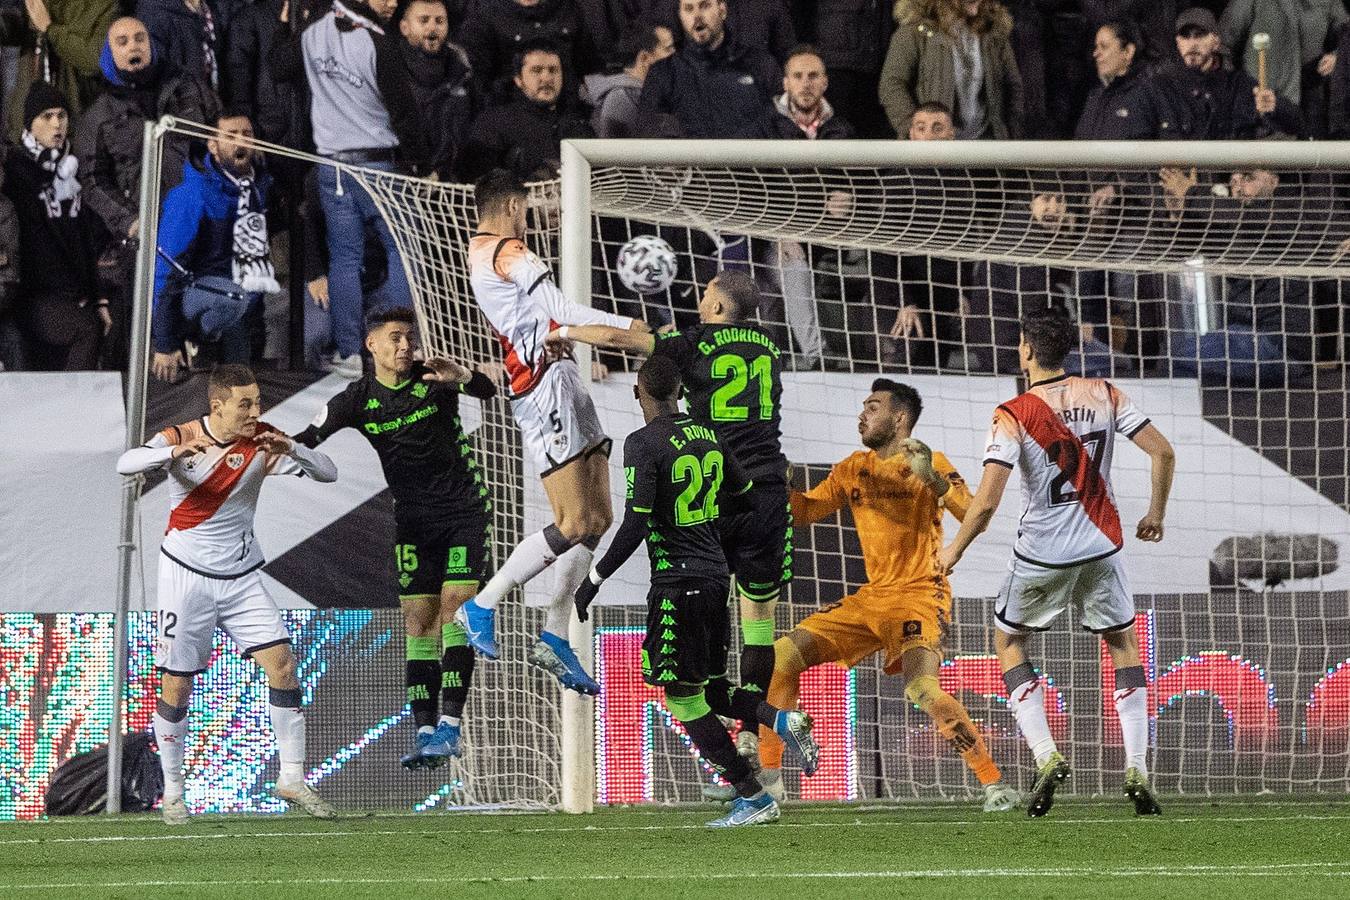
213, 225
714, 87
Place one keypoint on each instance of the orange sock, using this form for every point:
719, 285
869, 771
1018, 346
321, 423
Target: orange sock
955, 726
784, 690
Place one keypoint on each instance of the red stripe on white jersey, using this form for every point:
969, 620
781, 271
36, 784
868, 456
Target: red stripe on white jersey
206, 498
1069, 454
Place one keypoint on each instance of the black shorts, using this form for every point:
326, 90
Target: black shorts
449, 550
756, 532
688, 632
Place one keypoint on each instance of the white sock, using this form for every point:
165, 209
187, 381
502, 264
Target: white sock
531, 556
171, 736
571, 570
1027, 702
452, 721
1132, 710
288, 724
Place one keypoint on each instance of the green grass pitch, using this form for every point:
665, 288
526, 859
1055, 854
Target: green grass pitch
1199, 849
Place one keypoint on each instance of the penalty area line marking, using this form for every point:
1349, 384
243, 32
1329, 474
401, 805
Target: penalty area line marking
1001, 821
1274, 869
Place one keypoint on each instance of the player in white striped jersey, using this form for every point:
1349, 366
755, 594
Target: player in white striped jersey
208, 572
557, 422
1061, 433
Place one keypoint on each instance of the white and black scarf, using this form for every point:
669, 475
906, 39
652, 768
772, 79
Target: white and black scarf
252, 265
61, 167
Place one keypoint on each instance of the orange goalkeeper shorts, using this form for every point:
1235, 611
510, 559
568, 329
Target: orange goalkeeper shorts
889, 620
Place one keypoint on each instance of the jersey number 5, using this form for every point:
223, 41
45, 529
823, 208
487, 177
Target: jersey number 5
704, 476
735, 374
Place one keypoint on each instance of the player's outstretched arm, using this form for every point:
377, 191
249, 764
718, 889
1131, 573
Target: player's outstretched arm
628, 340
824, 499
158, 453
992, 484
1164, 464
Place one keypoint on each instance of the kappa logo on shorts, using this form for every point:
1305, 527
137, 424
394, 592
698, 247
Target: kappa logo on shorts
234, 460
912, 628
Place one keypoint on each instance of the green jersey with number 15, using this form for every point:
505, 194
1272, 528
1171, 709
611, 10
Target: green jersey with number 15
677, 476
734, 384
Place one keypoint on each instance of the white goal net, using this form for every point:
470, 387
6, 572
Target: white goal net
1221, 316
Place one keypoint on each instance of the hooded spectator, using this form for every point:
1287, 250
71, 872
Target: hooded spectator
957, 53
615, 95
58, 286
714, 86
525, 134
442, 83
214, 225
187, 31
60, 41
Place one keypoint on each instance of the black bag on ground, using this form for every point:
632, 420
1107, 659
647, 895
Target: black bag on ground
79, 787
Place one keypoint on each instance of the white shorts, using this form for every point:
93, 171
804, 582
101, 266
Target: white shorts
190, 607
557, 419
1033, 596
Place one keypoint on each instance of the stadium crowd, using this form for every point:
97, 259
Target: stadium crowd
451, 89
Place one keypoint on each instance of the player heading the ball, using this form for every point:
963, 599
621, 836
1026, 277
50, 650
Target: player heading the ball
897, 490
409, 412
678, 478
209, 572
1061, 432
732, 372
557, 420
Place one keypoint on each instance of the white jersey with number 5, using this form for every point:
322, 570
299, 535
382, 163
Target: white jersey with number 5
514, 288
1061, 433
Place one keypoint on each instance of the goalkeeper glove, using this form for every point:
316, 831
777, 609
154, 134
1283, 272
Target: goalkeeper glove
586, 594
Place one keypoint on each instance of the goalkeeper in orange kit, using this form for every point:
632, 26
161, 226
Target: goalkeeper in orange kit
897, 490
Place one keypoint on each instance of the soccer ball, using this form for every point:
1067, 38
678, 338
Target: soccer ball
646, 264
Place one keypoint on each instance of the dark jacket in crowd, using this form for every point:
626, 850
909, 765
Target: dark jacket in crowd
522, 136
495, 28
56, 238
108, 136
1217, 105
762, 24
196, 229
191, 41
250, 88
69, 51
702, 93
1123, 110
779, 124
853, 34
448, 100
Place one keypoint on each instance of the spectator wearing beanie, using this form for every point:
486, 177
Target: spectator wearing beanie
60, 41
58, 303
